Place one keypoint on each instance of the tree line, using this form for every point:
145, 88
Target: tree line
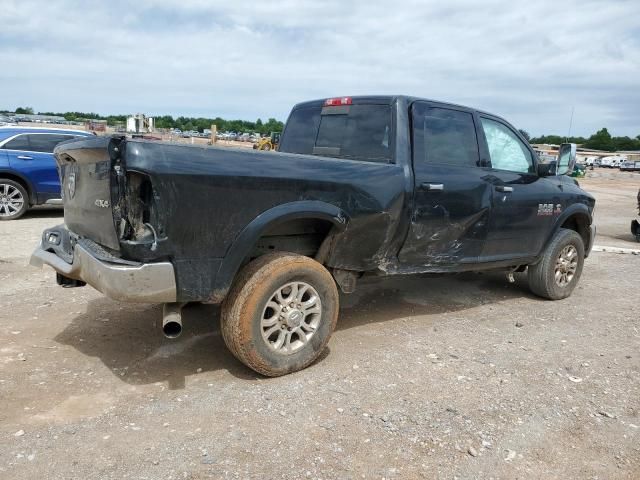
601, 140
168, 121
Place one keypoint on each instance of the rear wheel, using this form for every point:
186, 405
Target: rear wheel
280, 313
557, 274
14, 199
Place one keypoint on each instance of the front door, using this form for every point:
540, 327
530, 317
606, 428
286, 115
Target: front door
451, 198
523, 204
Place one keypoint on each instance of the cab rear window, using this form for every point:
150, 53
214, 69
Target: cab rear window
358, 132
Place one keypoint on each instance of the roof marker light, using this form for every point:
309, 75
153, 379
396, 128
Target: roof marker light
337, 102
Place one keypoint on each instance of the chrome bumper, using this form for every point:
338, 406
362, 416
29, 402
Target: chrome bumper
146, 283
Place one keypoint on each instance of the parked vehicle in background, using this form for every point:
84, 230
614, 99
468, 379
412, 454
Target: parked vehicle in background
365, 185
612, 161
28, 171
630, 166
6, 121
606, 162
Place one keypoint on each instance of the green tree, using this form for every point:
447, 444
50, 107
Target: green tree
601, 140
24, 110
273, 125
525, 134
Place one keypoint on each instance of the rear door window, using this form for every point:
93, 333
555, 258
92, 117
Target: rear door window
358, 132
45, 142
444, 136
21, 142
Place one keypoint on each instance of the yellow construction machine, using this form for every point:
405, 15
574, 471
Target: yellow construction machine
268, 143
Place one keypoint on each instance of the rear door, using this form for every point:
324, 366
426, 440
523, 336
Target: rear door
523, 204
451, 197
32, 155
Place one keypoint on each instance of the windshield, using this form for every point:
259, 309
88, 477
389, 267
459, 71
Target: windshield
359, 132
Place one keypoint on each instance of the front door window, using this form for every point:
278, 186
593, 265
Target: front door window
506, 150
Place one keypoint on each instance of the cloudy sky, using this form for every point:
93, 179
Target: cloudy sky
529, 61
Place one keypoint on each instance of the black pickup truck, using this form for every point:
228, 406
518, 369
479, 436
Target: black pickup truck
380, 185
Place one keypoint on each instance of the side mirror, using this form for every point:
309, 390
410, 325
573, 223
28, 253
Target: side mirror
546, 169
566, 158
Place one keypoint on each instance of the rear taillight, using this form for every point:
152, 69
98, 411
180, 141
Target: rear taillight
336, 102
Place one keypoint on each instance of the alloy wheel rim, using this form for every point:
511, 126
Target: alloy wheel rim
11, 200
566, 266
291, 317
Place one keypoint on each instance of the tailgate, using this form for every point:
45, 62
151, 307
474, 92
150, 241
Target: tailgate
86, 175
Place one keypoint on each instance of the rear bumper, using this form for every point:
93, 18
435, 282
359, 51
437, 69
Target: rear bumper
146, 283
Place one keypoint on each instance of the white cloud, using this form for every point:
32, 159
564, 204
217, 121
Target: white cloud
528, 61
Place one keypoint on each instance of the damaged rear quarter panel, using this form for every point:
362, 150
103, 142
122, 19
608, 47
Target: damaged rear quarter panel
208, 196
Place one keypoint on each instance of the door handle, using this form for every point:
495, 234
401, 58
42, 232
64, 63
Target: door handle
502, 188
438, 187
24, 157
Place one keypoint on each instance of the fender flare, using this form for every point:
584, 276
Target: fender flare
575, 210
246, 240
33, 195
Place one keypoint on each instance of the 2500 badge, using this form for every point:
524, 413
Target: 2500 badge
547, 209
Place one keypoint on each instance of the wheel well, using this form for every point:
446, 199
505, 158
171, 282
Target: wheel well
303, 236
21, 181
579, 224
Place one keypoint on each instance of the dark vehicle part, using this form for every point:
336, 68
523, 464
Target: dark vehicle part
280, 313
14, 199
635, 225
635, 229
557, 274
359, 185
67, 282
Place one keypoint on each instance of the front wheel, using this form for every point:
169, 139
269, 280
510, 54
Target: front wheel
14, 199
557, 273
280, 313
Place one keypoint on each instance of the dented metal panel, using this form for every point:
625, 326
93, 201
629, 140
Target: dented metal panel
206, 197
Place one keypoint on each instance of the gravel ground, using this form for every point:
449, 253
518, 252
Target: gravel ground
454, 377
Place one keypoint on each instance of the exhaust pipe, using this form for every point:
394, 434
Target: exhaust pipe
172, 319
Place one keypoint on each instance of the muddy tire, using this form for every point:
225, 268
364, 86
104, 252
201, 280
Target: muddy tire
280, 313
14, 199
556, 275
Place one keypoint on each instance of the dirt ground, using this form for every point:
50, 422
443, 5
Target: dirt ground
453, 377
